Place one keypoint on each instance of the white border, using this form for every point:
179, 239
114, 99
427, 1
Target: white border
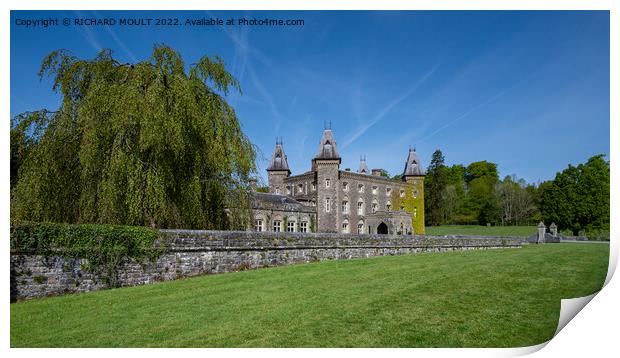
592, 332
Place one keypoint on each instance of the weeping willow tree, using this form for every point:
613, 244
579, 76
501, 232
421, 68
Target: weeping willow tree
147, 144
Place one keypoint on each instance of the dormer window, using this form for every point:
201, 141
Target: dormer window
300, 188
345, 186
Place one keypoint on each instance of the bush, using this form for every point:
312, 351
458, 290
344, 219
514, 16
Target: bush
104, 247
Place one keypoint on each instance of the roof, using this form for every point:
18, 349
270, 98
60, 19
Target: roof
278, 202
363, 166
413, 167
327, 146
278, 159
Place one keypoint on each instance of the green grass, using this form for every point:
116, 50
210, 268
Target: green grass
481, 230
482, 298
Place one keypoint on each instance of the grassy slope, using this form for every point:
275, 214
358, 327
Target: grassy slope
481, 230
507, 297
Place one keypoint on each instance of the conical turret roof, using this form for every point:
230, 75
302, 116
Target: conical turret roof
278, 159
327, 146
413, 167
363, 166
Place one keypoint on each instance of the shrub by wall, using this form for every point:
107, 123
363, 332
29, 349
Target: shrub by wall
103, 248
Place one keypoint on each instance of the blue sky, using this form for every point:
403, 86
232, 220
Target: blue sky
527, 90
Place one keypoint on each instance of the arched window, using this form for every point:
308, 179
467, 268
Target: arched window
388, 206
375, 206
360, 207
360, 227
345, 207
345, 227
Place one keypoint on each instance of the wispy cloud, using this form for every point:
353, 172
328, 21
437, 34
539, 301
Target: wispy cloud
385, 110
266, 96
465, 114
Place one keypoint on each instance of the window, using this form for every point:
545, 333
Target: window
360, 227
388, 206
303, 226
313, 186
300, 188
415, 212
374, 190
278, 190
375, 207
277, 226
328, 205
402, 193
258, 225
402, 207
415, 193
327, 182
345, 207
290, 226
388, 191
345, 227
360, 208
345, 186
360, 188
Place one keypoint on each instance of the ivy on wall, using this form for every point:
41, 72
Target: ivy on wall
103, 247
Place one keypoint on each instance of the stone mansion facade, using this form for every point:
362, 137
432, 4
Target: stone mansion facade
328, 199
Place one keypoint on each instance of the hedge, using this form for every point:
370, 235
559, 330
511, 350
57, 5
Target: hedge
104, 248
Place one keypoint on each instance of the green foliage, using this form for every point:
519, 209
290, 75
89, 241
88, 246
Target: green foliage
104, 247
435, 186
137, 144
263, 189
40, 279
579, 197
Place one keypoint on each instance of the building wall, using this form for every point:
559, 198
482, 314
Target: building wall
194, 252
327, 177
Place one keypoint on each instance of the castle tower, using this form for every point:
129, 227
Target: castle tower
413, 202
363, 169
326, 164
278, 169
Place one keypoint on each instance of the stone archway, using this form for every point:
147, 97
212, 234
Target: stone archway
382, 228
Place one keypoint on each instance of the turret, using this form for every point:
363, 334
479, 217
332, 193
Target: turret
326, 164
363, 166
278, 169
414, 176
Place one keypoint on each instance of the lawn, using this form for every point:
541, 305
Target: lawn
482, 298
481, 230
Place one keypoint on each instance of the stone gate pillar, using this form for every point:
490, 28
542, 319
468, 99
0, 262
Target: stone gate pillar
554, 229
541, 233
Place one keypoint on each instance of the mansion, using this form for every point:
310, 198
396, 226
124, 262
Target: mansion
328, 199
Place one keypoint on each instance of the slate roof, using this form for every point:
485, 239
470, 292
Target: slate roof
278, 159
327, 146
278, 202
363, 169
413, 167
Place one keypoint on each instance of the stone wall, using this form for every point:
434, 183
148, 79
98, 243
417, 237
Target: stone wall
192, 253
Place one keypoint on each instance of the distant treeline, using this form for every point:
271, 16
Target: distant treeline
577, 200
